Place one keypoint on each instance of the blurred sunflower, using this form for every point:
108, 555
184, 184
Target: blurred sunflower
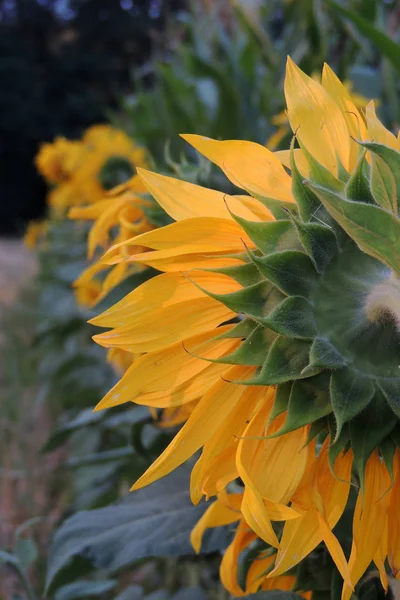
276, 322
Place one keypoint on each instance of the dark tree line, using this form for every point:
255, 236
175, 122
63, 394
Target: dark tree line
61, 65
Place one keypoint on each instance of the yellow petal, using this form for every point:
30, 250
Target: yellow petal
300, 536
301, 161
378, 132
165, 326
206, 419
317, 119
163, 291
216, 515
248, 165
369, 519
335, 550
158, 373
394, 520
354, 120
227, 438
183, 200
229, 564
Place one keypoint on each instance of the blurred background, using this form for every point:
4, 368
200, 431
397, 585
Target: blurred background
146, 70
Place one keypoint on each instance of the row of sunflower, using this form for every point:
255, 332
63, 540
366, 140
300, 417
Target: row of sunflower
264, 321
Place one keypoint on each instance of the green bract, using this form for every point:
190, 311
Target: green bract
321, 305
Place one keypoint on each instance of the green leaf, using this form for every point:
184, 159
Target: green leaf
350, 394
392, 159
376, 231
85, 589
26, 550
96, 458
381, 41
85, 418
155, 521
273, 595
293, 318
291, 271
319, 242
132, 592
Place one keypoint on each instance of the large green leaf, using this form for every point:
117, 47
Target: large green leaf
155, 521
84, 589
381, 41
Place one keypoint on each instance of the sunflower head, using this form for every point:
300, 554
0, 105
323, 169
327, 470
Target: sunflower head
277, 321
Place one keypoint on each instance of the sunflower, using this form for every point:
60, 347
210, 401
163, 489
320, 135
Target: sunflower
110, 160
116, 218
276, 320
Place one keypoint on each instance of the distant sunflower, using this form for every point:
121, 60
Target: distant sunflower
276, 320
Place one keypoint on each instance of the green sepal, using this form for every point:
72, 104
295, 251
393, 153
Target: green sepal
395, 435
308, 402
278, 208
368, 430
387, 449
285, 362
376, 231
321, 175
383, 184
391, 158
281, 401
291, 271
307, 202
251, 351
323, 354
350, 394
293, 318
268, 236
342, 443
246, 274
241, 330
249, 300
319, 242
357, 188
316, 428
391, 390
